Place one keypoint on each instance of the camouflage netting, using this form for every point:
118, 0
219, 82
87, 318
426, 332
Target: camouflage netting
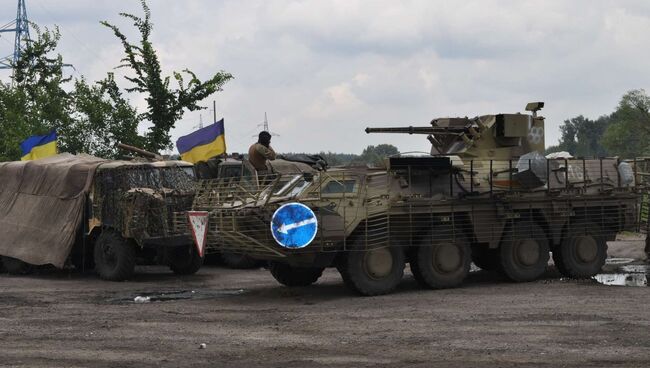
138, 199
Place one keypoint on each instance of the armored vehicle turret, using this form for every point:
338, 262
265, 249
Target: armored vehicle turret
492, 137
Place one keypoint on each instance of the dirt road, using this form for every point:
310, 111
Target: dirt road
245, 319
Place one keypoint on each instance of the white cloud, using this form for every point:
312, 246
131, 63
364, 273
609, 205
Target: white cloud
324, 70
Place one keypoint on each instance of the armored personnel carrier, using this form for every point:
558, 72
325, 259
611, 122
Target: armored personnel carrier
485, 193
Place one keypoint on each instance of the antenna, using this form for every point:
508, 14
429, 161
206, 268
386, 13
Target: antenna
21, 28
265, 127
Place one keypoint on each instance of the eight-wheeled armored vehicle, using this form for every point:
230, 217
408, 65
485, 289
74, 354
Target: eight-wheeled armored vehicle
96, 213
485, 194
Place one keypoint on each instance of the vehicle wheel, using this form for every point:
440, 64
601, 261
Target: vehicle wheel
486, 258
239, 261
15, 266
372, 272
524, 251
443, 264
184, 260
294, 276
583, 251
114, 256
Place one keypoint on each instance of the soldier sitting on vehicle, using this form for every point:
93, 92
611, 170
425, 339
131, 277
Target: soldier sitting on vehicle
261, 151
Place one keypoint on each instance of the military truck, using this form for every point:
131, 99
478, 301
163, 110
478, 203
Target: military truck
96, 213
484, 194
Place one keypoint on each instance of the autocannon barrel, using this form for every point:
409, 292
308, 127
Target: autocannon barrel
405, 130
416, 130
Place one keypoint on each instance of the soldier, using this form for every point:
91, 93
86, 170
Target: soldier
261, 151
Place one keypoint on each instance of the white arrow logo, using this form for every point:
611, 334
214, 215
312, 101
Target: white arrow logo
284, 228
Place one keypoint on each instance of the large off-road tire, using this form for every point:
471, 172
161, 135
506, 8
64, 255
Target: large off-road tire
294, 276
582, 252
524, 251
441, 264
372, 272
486, 258
15, 266
239, 261
114, 256
184, 260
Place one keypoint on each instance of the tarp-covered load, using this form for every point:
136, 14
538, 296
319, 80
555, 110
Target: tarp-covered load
41, 206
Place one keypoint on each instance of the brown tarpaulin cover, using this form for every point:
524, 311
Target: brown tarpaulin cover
41, 206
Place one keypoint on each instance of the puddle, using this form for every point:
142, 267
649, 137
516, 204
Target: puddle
617, 261
628, 275
166, 296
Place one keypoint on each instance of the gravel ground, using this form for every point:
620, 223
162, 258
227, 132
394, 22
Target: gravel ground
244, 318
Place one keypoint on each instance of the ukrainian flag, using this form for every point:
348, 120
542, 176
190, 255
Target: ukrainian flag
39, 146
203, 144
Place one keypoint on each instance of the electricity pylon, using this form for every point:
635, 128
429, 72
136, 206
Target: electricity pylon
21, 28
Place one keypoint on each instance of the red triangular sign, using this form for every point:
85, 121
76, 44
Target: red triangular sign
199, 226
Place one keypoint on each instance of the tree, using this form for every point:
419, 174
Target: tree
88, 118
629, 132
36, 102
103, 118
375, 155
581, 137
165, 106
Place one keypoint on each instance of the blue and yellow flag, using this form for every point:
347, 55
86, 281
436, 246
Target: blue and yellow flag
39, 146
203, 144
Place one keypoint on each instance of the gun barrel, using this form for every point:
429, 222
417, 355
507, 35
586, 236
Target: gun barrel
417, 130
404, 130
139, 151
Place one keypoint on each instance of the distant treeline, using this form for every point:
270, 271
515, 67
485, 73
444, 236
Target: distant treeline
371, 155
624, 133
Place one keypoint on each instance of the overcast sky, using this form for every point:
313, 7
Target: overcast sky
324, 70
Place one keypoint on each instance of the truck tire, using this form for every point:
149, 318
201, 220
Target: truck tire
184, 260
114, 256
15, 266
239, 261
582, 252
443, 264
524, 251
372, 272
294, 276
486, 258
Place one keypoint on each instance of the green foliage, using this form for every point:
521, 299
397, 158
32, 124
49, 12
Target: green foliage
103, 118
36, 102
581, 137
374, 155
628, 135
165, 106
88, 118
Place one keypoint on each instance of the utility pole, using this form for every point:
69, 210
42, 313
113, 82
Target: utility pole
21, 28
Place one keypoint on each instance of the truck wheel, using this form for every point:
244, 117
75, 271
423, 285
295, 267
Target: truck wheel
583, 251
239, 261
184, 260
372, 272
486, 258
442, 264
114, 256
524, 252
15, 266
294, 276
